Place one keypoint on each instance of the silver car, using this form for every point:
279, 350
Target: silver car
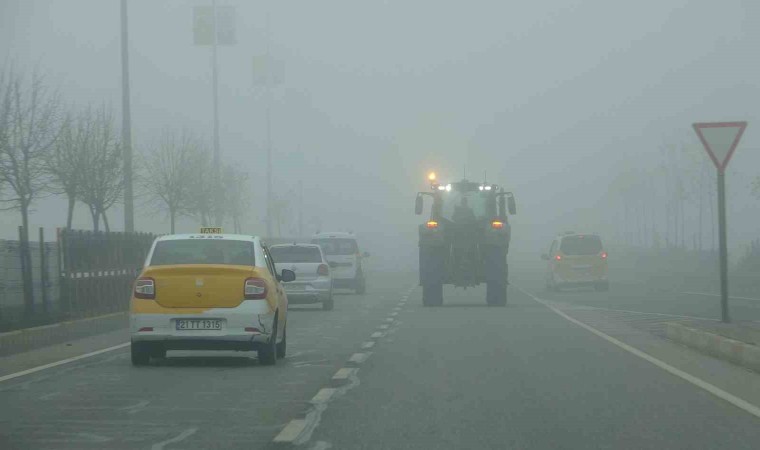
313, 279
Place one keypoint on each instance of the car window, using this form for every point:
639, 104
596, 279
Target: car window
337, 246
581, 245
203, 251
269, 261
296, 254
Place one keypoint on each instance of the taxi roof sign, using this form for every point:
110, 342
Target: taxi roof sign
211, 230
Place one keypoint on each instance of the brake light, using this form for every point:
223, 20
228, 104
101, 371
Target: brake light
431, 224
558, 258
604, 255
145, 288
497, 224
323, 270
255, 289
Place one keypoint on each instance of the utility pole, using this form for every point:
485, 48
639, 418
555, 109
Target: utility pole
126, 125
269, 128
300, 209
217, 157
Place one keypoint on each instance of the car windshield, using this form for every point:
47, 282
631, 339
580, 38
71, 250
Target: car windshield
203, 251
337, 246
581, 245
296, 254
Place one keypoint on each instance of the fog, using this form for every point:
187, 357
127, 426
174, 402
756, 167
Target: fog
555, 100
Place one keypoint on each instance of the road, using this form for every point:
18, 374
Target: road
569, 370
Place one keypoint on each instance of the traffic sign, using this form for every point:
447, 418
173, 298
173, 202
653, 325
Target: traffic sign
720, 140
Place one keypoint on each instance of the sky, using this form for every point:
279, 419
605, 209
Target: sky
552, 99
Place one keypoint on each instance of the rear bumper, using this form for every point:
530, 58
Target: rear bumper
313, 291
160, 327
348, 283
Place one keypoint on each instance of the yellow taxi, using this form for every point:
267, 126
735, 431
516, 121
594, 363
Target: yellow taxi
576, 260
209, 291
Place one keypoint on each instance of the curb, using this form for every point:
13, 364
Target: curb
26, 339
740, 353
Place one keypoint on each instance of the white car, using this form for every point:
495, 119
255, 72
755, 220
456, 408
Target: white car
314, 283
344, 258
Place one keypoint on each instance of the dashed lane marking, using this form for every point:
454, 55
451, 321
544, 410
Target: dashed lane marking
377, 335
394, 314
358, 358
180, 437
292, 430
716, 391
344, 373
368, 345
324, 395
383, 327
61, 362
389, 319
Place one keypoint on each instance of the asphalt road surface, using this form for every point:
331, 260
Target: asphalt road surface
571, 370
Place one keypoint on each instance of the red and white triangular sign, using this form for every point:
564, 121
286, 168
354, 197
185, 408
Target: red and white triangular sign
720, 140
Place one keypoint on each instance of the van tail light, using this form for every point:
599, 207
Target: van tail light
497, 224
255, 289
431, 224
323, 270
604, 255
558, 258
145, 288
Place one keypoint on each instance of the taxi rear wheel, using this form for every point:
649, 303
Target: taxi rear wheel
282, 347
268, 352
139, 353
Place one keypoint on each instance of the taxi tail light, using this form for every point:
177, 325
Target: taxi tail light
323, 270
431, 224
255, 289
497, 224
604, 255
145, 287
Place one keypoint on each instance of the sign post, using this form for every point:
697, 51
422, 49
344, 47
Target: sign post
720, 140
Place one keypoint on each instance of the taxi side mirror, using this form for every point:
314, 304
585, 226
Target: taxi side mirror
286, 276
418, 205
545, 257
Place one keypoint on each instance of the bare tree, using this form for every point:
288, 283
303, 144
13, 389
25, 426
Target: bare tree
29, 127
202, 191
235, 184
64, 163
102, 171
169, 174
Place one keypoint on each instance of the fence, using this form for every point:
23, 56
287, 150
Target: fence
82, 274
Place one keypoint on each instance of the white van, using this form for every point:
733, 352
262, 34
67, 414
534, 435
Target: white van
345, 259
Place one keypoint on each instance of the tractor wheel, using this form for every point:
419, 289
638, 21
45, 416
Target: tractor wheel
432, 294
496, 293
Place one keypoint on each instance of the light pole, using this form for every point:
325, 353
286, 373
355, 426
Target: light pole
126, 125
219, 201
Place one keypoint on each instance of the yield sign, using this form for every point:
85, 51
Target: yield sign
720, 140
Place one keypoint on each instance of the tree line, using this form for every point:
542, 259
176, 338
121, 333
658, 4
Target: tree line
47, 148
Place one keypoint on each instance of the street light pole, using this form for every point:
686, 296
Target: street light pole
219, 201
269, 129
126, 125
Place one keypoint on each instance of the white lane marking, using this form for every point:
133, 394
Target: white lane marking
368, 344
383, 327
291, 431
136, 407
358, 358
61, 362
716, 391
394, 314
652, 313
180, 437
344, 373
323, 396
718, 295
377, 335
389, 319
397, 309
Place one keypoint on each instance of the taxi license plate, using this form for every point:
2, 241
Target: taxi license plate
199, 324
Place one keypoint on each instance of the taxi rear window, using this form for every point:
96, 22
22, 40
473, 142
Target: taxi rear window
203, 251
296, 254
581, 245
336, 246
